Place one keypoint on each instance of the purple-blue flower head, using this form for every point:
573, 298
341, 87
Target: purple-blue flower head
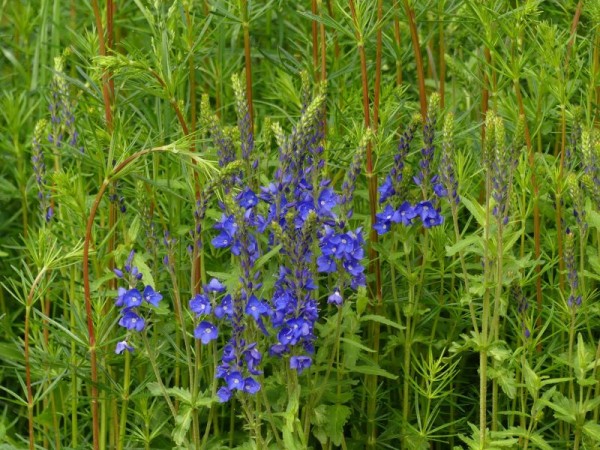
223, 394
120, 301
326, 202
200, 305
407, 213
386, 190
151, 296
256, 308
299, 363
132, 298
225, 308
206, 332
122, 346
335, 298
235, 381
247, 199
132, 321
215, 285
251, 386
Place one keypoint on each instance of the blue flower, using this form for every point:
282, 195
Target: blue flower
200, 305
132, 298
225, 308
206, 332
326, 264
429, 215
385, 218
407, 213
251, 386
131, 321
215, 285
256, 308
122, 346
335, 298
326, 202
235, 381
440, 190
223, 394
222, 240
300, 363
386, 190
247, 199
119, 301
253, 358
152, 296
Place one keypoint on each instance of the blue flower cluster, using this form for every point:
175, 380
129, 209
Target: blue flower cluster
39, 169
298, 212
61, 108
131, 299
392, 192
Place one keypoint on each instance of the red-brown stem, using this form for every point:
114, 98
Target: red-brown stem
315, 36
485, 95
197, 269
90, 319
336, 44
442, 57
378, 52
574, 24
323, 52
369, 155
110, 13
28, 307
87, 292
414, 34
398, 38
536, 208
248, 61
174, 104
563, 144
102, 50
374, 264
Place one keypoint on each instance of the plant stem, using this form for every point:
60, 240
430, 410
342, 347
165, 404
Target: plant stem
28, 307
414, 35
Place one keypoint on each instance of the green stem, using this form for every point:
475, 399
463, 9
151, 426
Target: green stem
125, 402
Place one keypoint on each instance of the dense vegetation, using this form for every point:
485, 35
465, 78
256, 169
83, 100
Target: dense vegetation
299, 224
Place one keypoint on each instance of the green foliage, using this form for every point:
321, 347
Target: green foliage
477, 334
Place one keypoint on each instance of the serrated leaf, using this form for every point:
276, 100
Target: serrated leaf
362, 300
183, 421
337, 415
592, 430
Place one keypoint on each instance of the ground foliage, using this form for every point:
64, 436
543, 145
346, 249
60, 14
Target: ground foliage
303, 224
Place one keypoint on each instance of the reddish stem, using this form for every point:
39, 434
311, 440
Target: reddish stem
410, 14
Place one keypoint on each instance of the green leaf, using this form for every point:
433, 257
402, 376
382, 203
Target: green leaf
337, 415
476, 210
382, 320
592, 430
266, 257
356, 344
461, 245
183, 421
140, 262
375, 370
362, 300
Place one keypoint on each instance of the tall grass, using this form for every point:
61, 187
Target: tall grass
400, 200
